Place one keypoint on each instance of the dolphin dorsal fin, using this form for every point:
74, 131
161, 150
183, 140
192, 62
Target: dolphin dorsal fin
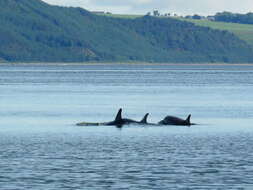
144, 120
118, 116
188, 120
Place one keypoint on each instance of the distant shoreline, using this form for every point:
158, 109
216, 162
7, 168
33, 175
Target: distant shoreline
127, 63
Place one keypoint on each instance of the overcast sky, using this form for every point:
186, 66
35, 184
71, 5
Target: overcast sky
203, 7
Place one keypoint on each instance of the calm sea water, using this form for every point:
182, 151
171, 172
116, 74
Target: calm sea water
41, 148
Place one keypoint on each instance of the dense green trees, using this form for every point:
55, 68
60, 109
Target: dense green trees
33, 31
234, 17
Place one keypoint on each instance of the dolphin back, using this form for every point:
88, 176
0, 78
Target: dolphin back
144, 120
171, 120
119, 115
188, 119
88, 124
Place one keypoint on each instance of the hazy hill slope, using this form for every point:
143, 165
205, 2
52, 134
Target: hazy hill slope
32, 30
243, 31
183, 37
1, 60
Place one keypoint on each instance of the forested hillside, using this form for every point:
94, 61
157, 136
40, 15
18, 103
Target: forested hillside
243, 31
234, 17
33, 31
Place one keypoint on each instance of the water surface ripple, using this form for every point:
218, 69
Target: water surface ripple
41, 148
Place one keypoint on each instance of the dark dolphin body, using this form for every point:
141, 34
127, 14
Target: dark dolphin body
118, 121
171, 120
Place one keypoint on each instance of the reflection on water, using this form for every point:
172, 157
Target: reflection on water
41, 148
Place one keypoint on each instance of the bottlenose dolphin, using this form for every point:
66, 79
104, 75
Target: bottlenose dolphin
171, 120
118, 121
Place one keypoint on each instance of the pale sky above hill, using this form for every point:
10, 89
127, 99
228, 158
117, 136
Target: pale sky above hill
182, 7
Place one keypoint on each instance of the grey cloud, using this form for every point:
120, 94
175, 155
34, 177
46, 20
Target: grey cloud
203, 7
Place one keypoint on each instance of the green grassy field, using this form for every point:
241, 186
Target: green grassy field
243, 31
